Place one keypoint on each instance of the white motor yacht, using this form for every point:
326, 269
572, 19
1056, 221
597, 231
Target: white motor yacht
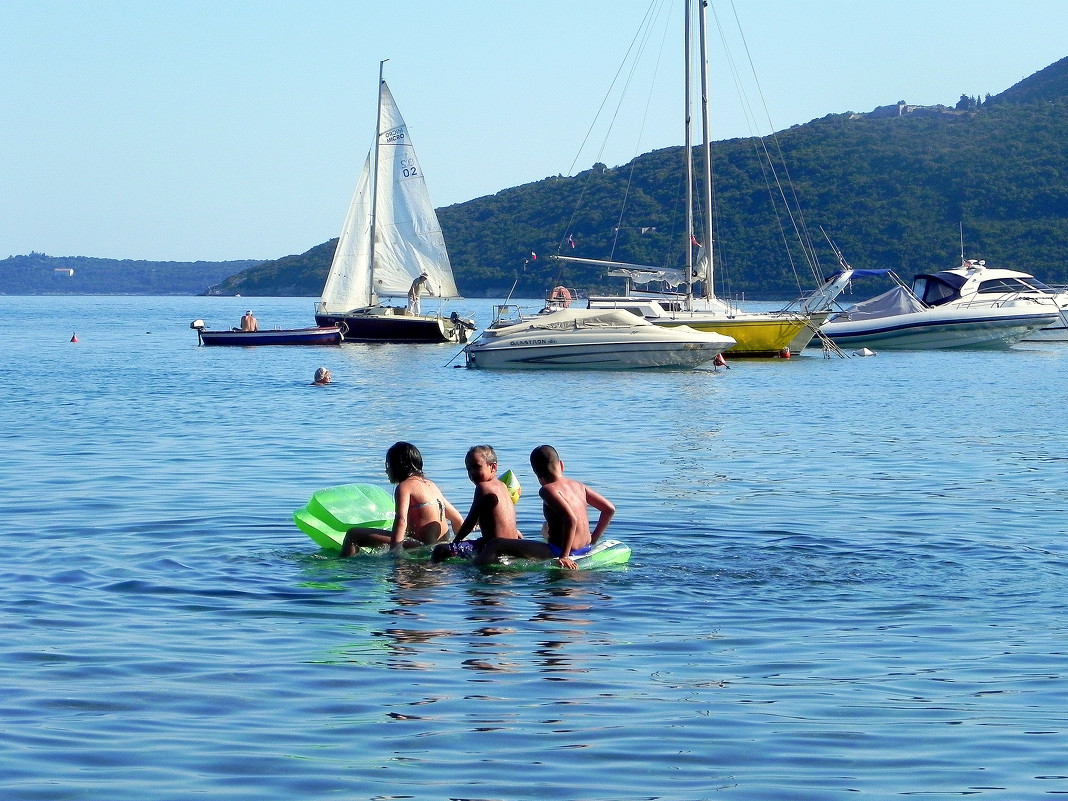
592, 339
994, 285
951, 309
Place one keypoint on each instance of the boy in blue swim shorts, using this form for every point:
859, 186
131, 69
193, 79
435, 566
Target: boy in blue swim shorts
492, 509
564, 504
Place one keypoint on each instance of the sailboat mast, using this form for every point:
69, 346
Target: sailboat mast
707, 150
688, 152
374, 186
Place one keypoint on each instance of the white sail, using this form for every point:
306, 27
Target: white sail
348, 284
408, 238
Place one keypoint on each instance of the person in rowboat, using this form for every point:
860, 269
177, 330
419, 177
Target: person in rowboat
564, 504
248, 322
423, 513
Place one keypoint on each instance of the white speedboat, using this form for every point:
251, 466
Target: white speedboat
973, 279
592, 339
941, 310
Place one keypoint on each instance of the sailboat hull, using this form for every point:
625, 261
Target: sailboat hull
758, 334
757, 337
384, 325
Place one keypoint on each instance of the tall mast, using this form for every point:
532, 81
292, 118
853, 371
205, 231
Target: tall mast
374, 184
689, 156
707, 149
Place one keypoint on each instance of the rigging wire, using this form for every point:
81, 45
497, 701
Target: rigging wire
633, 55
793, 211
637, 144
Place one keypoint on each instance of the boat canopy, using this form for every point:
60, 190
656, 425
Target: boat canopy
897, 301
571, 319
642, 276
938, 288
859, 273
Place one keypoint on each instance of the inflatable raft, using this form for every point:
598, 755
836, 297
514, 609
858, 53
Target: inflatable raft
331, 512
606, 553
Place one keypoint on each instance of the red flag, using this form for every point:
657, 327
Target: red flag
694, 242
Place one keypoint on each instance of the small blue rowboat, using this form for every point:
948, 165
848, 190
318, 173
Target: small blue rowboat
321, 335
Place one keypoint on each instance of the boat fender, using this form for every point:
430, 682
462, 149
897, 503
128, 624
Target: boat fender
561, 295
785, 353
343, 327
512, 482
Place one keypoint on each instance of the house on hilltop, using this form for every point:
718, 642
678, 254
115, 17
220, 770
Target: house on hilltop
903, 109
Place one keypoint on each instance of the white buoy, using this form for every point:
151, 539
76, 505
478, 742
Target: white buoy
864, 352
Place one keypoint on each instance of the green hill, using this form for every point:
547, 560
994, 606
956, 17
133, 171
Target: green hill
891, 187
38, 274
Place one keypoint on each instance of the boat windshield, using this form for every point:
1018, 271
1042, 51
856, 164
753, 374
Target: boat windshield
935, 290
1034, 283
1002, 285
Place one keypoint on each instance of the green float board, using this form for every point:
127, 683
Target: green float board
331, 512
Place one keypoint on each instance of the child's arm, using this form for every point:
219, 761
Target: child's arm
468, 525
401, 499
605, 507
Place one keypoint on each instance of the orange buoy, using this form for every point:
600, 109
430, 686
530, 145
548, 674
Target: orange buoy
560, 296
73, 337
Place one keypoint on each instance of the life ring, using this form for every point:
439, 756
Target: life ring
560, 296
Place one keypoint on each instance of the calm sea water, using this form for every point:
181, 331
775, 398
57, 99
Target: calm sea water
849, 576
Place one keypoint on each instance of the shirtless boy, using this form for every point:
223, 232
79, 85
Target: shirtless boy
492, 509
564, 504
423, 513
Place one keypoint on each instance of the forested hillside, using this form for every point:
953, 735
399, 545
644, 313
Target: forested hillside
893, 188
38, 274
892, 191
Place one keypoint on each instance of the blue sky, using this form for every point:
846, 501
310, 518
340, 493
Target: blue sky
229, 129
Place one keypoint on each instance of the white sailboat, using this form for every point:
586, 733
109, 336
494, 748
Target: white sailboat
777, 333
391, 246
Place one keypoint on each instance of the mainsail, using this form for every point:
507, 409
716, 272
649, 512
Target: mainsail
407, 236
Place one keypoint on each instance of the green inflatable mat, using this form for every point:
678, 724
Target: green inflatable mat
606, 553
331, 512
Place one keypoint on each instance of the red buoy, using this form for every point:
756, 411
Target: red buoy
785, 353
73, 337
